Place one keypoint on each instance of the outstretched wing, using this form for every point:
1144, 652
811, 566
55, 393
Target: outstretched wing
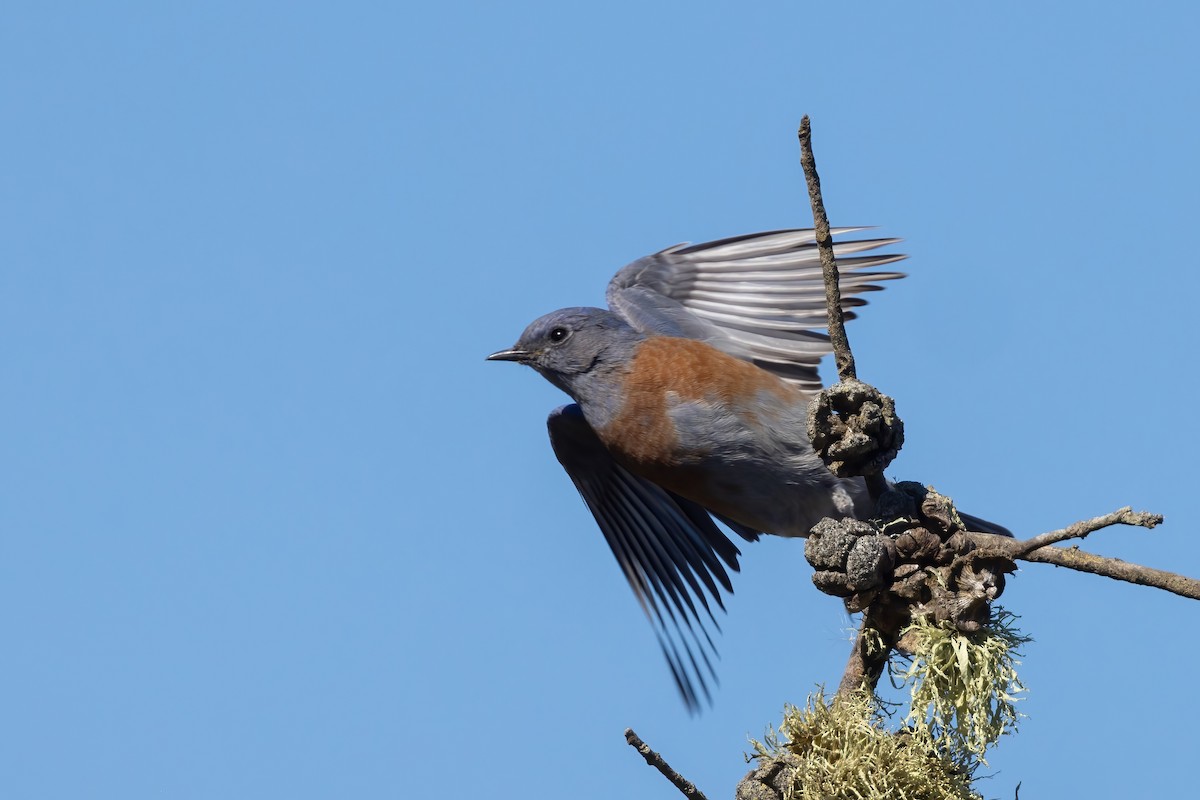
671, 552
756, 297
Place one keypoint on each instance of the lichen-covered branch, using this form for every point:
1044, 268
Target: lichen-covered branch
918, 560
841, 748
686, 787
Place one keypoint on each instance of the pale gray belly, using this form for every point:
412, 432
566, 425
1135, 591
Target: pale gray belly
759, 470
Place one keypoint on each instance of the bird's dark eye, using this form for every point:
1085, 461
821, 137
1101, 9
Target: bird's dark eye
559, 335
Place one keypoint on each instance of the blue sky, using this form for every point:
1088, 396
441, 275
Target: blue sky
273, 528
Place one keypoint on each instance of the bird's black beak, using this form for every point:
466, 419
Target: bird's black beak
513, 354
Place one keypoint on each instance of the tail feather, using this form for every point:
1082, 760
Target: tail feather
978, 525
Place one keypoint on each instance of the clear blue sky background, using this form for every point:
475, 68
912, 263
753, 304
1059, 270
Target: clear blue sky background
273, 528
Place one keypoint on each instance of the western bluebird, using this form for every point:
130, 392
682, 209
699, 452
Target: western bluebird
691, 395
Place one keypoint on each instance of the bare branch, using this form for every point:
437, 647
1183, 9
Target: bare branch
857, 672
833, 293
686, 787
1038, 549
1083, 561
877, 636
1080, 530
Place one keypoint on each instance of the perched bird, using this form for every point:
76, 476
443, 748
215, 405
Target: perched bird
691, 394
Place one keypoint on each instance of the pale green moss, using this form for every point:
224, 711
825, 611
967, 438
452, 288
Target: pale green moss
963, 690
964, 685
844, 752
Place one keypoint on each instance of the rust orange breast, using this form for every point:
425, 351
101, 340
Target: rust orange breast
668, 369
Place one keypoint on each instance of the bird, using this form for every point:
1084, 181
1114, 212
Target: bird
691, 395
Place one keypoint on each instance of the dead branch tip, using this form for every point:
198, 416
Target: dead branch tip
686, 787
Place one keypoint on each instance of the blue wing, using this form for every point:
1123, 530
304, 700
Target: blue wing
756, 297
673, 555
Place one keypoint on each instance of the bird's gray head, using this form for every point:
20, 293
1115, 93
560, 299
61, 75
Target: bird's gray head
574, 348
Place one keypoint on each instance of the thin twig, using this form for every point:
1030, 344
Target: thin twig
655, 760
1080, 530
1039, 549
829, 270
836, 319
